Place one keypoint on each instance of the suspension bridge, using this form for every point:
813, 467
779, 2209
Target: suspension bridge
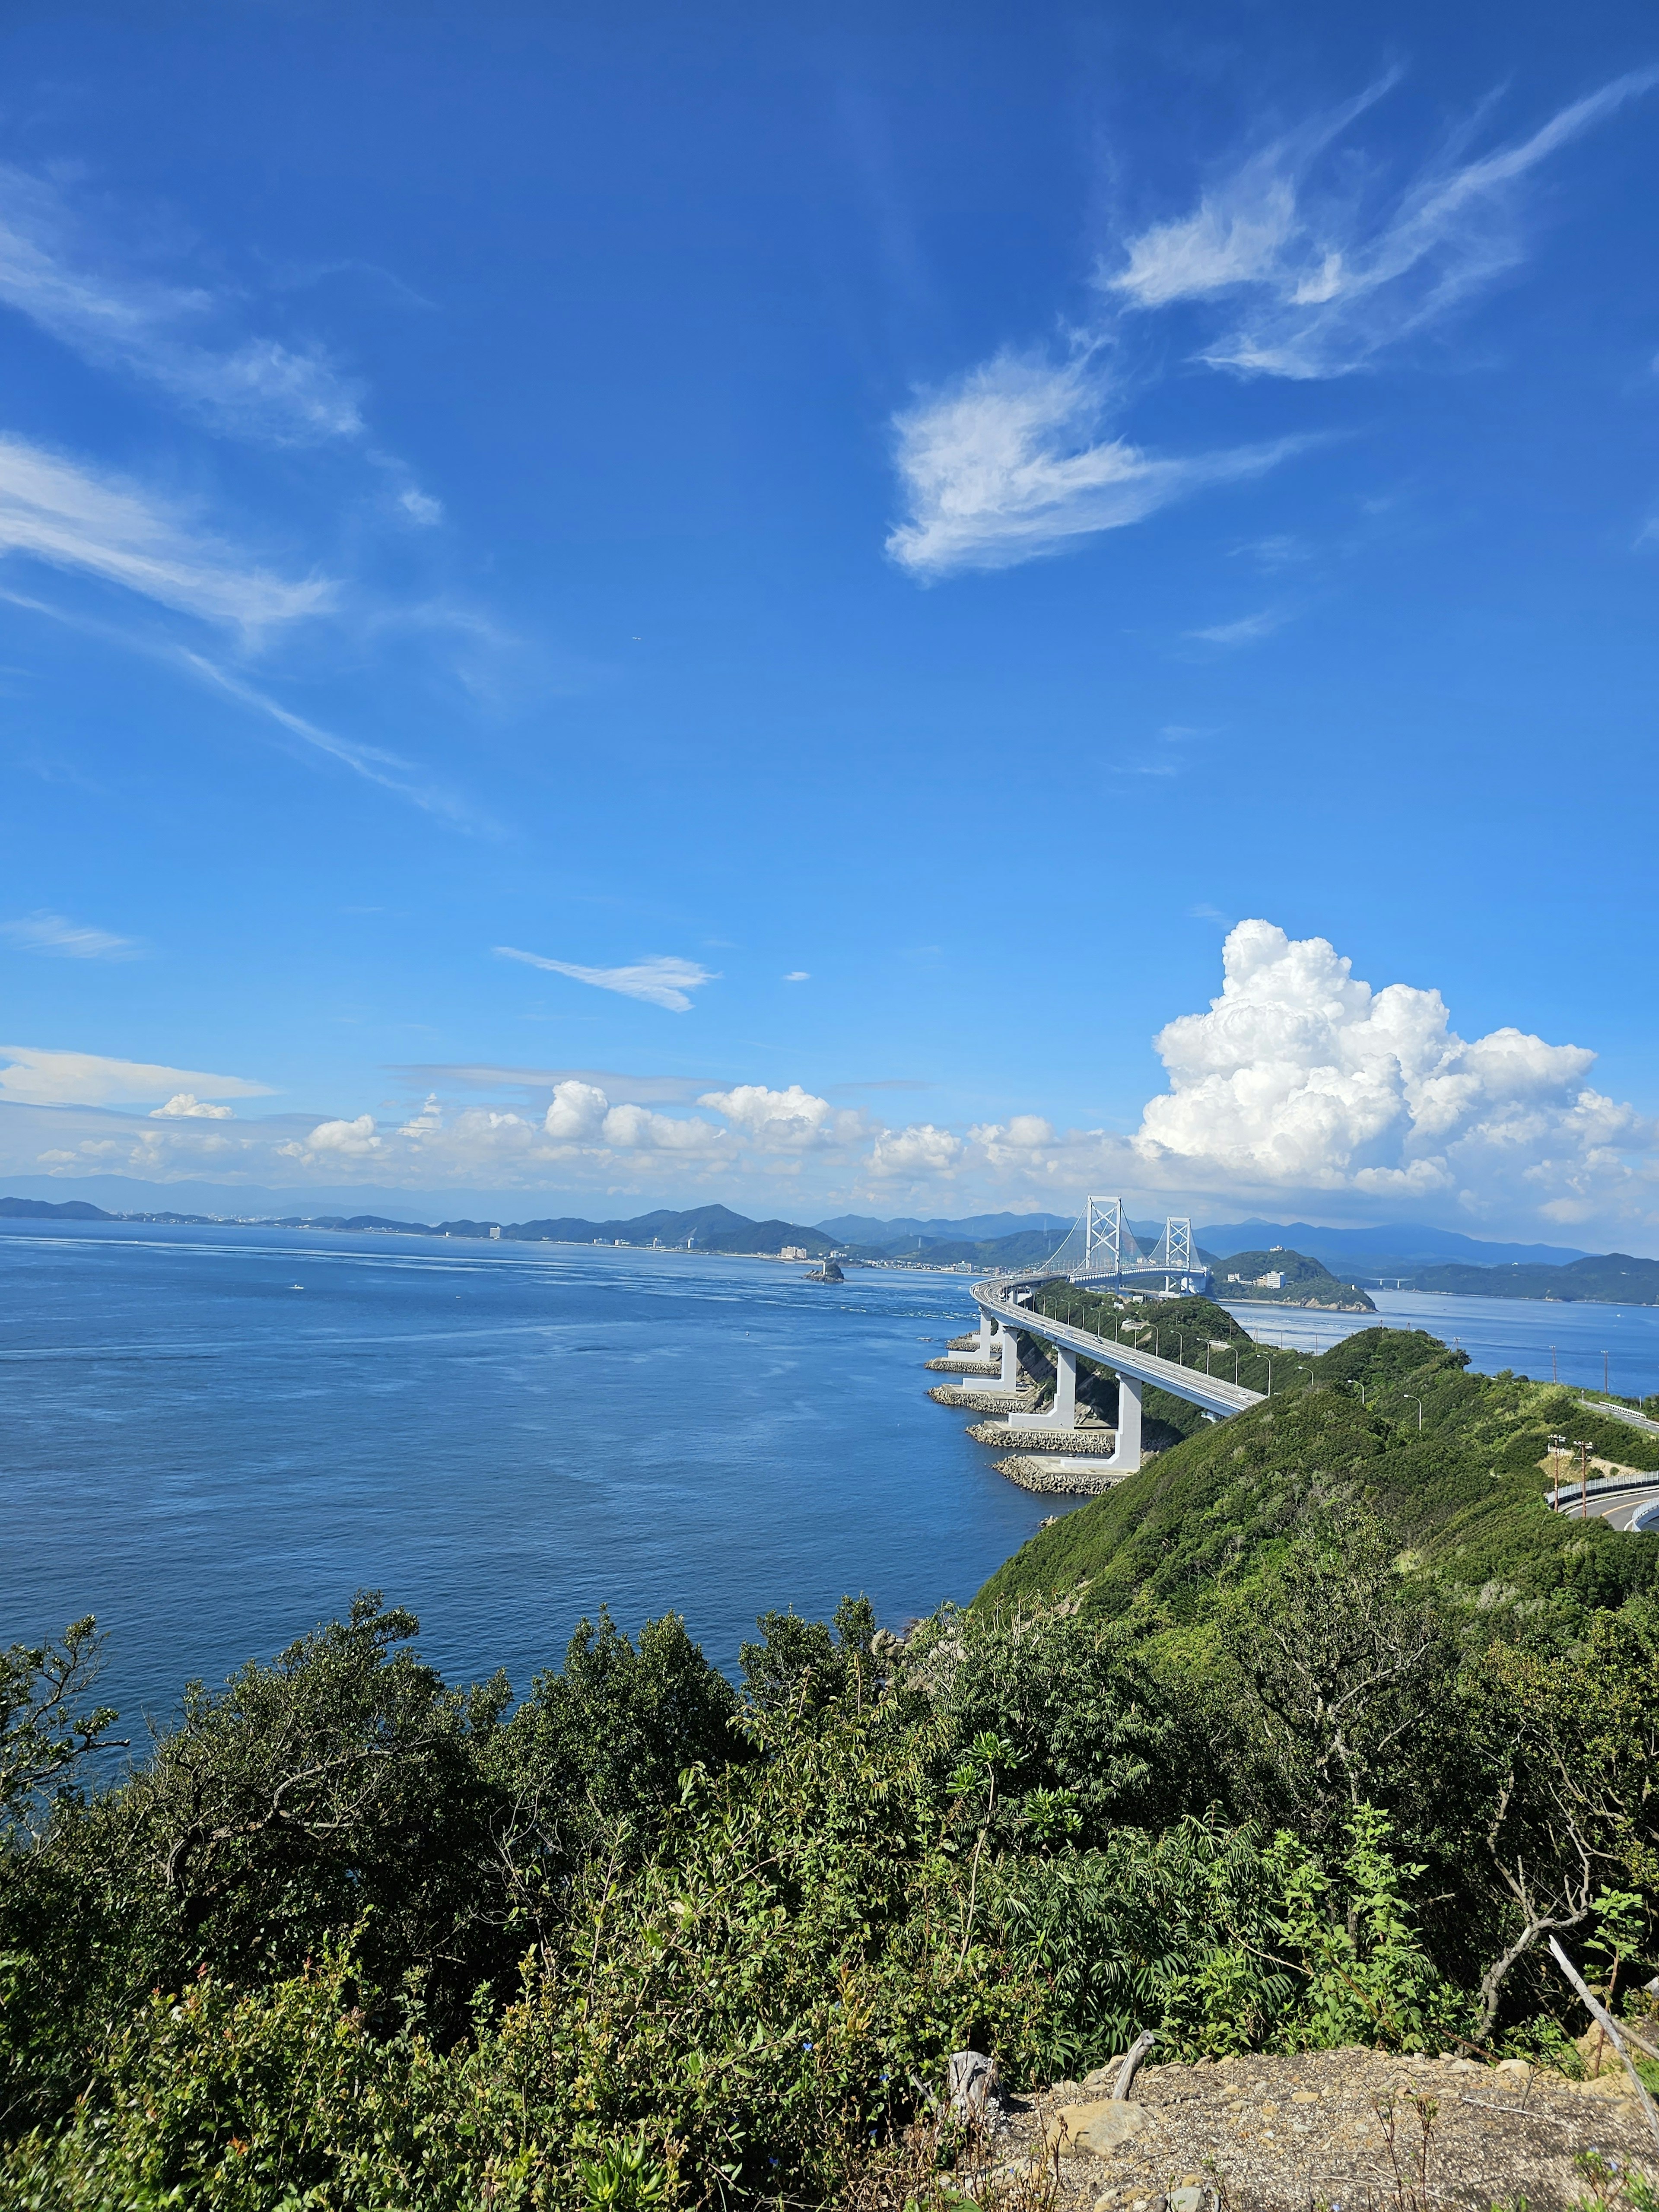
1099, 1253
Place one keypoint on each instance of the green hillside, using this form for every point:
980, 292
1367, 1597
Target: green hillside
1463, 1497
1306, 1281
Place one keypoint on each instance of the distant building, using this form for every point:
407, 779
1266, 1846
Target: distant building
496, 1233
795, 1252
1273, 1282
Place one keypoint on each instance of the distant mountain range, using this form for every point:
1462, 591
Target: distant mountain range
1411, 1254
1399, 1249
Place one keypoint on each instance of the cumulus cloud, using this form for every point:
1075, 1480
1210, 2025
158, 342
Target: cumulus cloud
919, 1151
184, 1105
36, 1077
1017, 458
783, 1119
336, 1140
1302, 1079
55, 934
74, 516
660, 980
576, 1113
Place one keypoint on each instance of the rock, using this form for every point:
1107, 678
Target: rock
1597, 2052
1094, 2130
1192, 2197
973, 2089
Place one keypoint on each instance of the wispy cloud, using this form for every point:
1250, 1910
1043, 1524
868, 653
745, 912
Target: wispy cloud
56, 271
54, 934
1016, 460
1301, 278
1245, 630
1324, 281
373, 763
660, 980
74, 517
38, 1077
798, 975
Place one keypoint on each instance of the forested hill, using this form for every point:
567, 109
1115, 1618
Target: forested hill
1463, 1497
1307, 1282
1609, 1279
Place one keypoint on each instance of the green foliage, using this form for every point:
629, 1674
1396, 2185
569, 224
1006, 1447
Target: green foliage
1223, 1941
1309, 1734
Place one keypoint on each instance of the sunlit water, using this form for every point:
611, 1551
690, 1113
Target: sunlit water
211, 1436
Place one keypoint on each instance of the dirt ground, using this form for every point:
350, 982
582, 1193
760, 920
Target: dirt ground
1354, 2129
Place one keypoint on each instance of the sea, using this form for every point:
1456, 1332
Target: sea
210, 1437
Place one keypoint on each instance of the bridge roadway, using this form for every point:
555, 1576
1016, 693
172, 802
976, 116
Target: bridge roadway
1209, 1392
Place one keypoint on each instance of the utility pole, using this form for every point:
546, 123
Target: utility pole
1584, 1448
1558, 1445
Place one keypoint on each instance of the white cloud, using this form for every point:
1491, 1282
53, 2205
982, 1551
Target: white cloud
72, 517
1300, 1078
1245, 631
1299, 278
375, 765
919, 1151
1012, 462
1327, 282
40, 1078
253, 387
798, 975
661, 980
420, 508
184, 1105
577, 1112
337, 1139
54, 934
783, 1119
638, 1129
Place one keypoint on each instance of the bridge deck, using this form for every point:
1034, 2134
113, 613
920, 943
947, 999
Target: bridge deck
1207, 1391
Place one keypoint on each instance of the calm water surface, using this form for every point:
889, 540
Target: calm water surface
211, 1436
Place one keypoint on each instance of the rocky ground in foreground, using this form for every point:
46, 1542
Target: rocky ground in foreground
1354, 2127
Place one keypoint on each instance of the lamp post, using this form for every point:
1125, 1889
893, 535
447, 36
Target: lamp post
1607, 1387
1419, 1412
1558, 1445
1583, 1447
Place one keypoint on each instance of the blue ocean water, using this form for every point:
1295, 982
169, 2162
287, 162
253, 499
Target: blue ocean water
211, 1436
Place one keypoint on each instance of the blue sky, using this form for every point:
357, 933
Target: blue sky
597, 606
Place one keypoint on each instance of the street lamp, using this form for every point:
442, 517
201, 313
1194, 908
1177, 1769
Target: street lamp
1420, 1413
1583, 1447
1558, 1445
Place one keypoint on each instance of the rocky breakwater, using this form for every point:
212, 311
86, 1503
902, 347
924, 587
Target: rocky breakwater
1058, 1477
970, 1401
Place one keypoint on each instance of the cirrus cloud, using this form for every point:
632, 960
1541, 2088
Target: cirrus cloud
660, 980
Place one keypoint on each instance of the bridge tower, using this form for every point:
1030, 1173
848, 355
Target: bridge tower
1178, 1245
1108, 1243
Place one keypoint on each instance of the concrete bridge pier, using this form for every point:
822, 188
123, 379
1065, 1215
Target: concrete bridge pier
1126, 1459
1062, 1415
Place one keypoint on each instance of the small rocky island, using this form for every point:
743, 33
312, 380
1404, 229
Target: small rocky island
825, 1272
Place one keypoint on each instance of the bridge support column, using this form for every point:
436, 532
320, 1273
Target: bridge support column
1008, 1340
1126, 1459
982, 1349
1062, 1415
